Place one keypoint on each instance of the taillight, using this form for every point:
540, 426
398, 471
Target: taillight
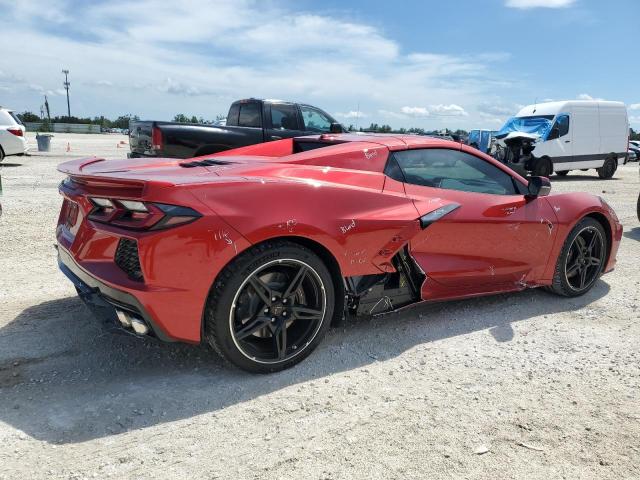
16, 131
137, 215
157, 142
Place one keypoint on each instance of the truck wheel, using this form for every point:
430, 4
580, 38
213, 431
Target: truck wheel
607, 170
543, 167
562, 173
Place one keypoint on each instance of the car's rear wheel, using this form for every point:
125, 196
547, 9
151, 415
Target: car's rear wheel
608, 169
270, 307
581, 260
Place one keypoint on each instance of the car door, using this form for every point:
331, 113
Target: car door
495, 237
282, 121
559, 146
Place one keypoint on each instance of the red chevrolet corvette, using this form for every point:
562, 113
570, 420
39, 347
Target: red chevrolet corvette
258, 250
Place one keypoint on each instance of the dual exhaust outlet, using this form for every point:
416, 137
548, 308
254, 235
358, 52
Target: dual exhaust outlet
130, 321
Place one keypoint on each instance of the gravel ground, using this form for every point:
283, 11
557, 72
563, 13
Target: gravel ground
523, 386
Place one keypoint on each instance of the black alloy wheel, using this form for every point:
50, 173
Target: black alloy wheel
277, 311
585, 259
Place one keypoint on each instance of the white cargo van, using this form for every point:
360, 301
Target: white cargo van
575, 135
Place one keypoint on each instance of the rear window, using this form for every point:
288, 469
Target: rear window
250, 115
16, 118
232, 117
305, 146
6, 118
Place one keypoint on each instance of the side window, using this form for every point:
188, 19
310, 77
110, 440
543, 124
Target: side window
563, 124
560, 127
315, 120
453, 170
284, 117
250, 115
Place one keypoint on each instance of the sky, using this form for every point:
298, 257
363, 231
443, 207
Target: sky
429, 64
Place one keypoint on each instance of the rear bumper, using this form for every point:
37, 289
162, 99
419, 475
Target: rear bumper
99, 295
13, 145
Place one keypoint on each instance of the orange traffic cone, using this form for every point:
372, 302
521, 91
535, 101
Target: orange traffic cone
68, 147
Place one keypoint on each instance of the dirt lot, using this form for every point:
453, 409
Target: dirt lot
549, 386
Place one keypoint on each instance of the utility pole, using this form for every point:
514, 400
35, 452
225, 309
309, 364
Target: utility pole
66, 87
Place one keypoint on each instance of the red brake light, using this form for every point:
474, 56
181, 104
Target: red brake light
136, 215
16, 131
157, 142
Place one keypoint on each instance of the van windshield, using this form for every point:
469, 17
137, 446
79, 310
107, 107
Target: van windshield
537, 125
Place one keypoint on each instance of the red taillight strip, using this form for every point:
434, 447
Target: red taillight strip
158, 216
16, 131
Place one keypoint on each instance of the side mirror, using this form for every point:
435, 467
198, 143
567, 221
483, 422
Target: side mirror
539, 187
336, 128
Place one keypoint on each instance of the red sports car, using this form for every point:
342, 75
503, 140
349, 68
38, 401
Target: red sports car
258, 250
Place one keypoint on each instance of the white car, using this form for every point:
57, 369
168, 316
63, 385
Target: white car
12, 138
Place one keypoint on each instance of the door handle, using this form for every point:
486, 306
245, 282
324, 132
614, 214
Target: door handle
567, 141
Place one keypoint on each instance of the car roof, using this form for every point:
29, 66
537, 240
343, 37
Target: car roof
391, 141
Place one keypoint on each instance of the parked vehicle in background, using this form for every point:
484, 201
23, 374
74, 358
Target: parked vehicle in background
481, 139
632, 156
248, 122
12, 139
258, 250
635, 148
573, 135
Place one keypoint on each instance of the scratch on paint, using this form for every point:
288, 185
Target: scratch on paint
369, 155
359, 257
224, 236
289, 225
522, 283
557, 209
492, 269
344, 229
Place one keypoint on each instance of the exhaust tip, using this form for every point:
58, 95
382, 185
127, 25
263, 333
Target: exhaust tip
139, 326
128, 320
124, 318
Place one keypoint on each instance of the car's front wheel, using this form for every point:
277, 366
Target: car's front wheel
581, 260
270, 307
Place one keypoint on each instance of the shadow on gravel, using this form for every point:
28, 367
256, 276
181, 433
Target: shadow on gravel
593, 177
633, 234
65, 379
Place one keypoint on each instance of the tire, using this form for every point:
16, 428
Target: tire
543, 167
1, 154
638, 208
562, 173
608, 169
567, 280
283, 337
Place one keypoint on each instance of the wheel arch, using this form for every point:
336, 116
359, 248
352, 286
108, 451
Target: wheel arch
602, 220
320, 250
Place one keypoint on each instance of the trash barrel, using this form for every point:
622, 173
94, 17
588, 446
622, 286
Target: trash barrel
44, 142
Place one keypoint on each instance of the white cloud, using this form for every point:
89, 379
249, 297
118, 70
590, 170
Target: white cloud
351, 114
527, 4
452, 110
634, 106
586, 96
415, 111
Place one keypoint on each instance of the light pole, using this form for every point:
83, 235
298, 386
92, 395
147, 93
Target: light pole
66, 87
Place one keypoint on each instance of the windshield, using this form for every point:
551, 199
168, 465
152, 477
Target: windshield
537, 125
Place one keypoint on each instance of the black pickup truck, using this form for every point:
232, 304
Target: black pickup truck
249, 122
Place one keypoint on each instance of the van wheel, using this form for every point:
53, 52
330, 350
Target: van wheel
562, 173
607, 170
543, 167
